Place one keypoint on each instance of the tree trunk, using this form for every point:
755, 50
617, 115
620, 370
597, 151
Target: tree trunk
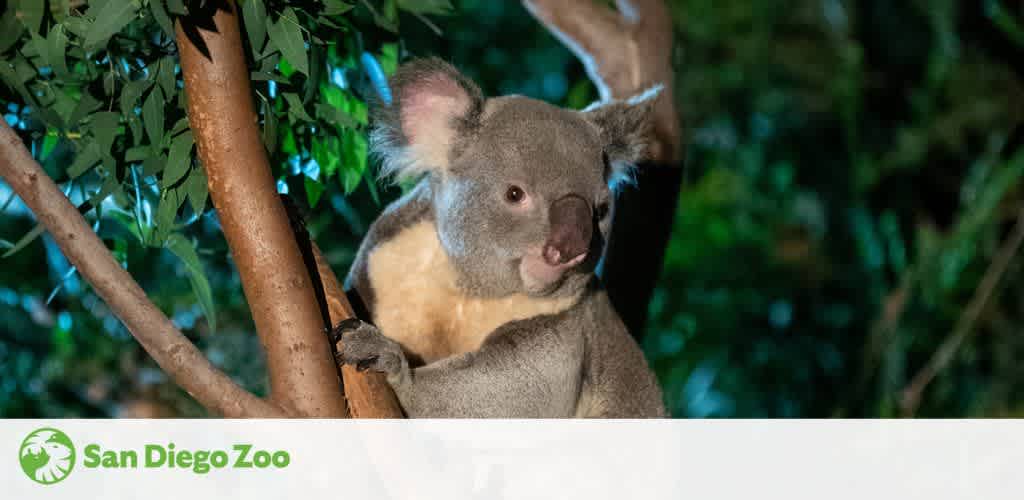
303, 376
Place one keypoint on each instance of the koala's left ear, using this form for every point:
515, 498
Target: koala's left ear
626, 128
433, 106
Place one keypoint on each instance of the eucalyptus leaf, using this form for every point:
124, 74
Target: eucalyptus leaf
22, 242
295, 107
185, 251
161, 17
130, 94
11, 27
86, 158
179, 159
111, 19
153, 116
335, 116
254, 14
286, 36
86, 106
336, 7
104, 126
197, 189
163, 224
30, 12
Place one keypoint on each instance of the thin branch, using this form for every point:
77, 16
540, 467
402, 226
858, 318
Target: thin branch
182, 361
965, 325
368, 393
625, 53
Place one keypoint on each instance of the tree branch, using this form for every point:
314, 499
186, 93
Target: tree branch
169, 348
624, 52
303, 377
368, 393
965, 325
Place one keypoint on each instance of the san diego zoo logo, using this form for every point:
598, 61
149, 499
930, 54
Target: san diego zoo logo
47, 455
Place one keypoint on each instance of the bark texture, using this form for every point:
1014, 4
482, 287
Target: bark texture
368, 393
303, 376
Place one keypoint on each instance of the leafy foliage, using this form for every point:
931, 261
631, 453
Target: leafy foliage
854, 170
95, 89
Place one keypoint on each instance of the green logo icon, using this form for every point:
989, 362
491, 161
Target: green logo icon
47, 456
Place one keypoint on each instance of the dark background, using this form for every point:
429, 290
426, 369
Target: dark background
852, 174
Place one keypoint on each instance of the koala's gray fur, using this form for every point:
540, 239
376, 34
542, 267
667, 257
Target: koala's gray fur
485, 306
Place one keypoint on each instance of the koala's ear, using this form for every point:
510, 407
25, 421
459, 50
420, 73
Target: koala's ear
433, 104
626, 128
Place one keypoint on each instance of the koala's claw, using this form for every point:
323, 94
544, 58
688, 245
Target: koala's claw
363, 346
335, 333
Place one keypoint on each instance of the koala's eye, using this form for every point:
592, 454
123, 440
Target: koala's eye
601, 211
515, 194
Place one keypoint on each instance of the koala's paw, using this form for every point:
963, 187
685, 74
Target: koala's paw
363, 347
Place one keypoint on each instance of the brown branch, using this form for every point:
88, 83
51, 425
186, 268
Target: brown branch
624, 52
368, 393
965, 325
303, 377
182, 361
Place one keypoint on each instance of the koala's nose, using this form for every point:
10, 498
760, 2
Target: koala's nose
571, 229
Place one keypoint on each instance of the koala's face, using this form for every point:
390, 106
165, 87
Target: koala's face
521, 189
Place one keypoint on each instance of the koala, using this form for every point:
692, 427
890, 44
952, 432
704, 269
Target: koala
479, 282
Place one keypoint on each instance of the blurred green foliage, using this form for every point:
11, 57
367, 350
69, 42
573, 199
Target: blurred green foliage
853, 173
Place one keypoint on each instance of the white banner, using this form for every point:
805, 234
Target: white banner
454, 459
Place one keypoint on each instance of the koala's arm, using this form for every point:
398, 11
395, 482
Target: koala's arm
527, 369
617, 382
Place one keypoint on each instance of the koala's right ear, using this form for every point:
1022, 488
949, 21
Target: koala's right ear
433, 105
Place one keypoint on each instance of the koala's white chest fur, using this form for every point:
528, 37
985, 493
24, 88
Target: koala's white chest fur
418, 304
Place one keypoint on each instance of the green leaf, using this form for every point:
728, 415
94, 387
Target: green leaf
154, 164
197, 190
163, 224
87, 157
50, 141
153, 116
56, 50
130, 95
104, 126
25, 240
11, 27
295, 107
30, 12
177, 7
354, 151
165, 76
78, 25
111, 19
184, 250
161, 17
51, 50
388, 59
335, 116
314, 189
335, 7
254, 13
179, 159
86, 106
286, 36
325, 153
